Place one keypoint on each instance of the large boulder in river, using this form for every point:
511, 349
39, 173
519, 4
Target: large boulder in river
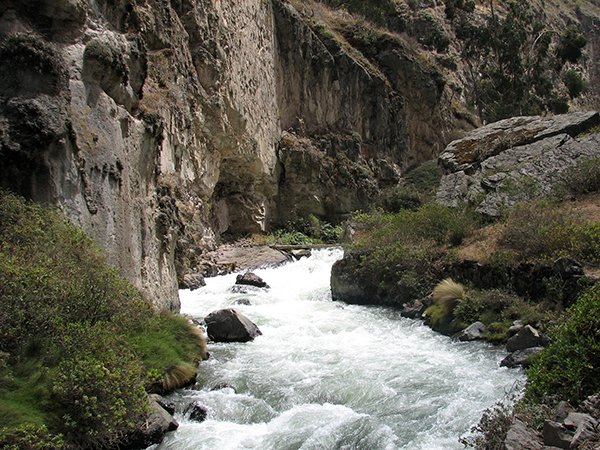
251, 279
229, 325
515, 160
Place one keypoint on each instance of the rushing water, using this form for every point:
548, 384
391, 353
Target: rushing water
326, 375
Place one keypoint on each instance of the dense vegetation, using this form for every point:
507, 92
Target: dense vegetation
79, 345
518, 65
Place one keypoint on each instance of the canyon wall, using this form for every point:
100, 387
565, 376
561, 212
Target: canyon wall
159, 126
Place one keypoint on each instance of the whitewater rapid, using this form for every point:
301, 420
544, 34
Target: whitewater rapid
326, 375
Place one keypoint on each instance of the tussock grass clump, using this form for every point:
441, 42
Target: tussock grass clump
78, 343
448, 293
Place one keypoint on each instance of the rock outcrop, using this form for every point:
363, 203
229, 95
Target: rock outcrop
514, 160
158, 127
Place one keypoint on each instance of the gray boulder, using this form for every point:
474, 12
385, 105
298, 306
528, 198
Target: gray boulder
556, 435
153, 430
229, 325
472, 332
193, 281
527, 337
515, 327
301, 253
251, 279
585, 427
566, 267
521, 437
519, 357
569, 431
416, 308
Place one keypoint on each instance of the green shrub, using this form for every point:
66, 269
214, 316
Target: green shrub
425, 177
98, 387
573, 82
306, 231
407, 250
72, 363
21, 51
540, 230
584, 178
398, 198
431, 222
30, 437
282, 237
570, 46
570, 368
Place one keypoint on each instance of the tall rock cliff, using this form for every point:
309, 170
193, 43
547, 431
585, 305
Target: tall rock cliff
158, 126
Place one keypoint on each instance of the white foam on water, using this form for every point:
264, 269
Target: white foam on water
326, 375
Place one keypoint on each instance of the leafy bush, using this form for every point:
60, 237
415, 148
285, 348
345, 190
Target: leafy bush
570, 368
405, 252
431, 222
31, 437
306, 231
425, 177
420, 185
72, 363
571, 45
540, 230
584, 178
398, 198
98, 387
573, 82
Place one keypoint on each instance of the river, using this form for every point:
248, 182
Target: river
326, 375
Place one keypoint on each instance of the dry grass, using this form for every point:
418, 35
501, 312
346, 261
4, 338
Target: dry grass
482, 244
179, 376
447, 293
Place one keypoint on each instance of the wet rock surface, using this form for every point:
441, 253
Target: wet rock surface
229, 325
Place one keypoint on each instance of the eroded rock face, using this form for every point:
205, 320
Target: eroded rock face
158, 127
514, 160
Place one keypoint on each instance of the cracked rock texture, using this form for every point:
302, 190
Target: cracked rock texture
159, 126
515, 160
